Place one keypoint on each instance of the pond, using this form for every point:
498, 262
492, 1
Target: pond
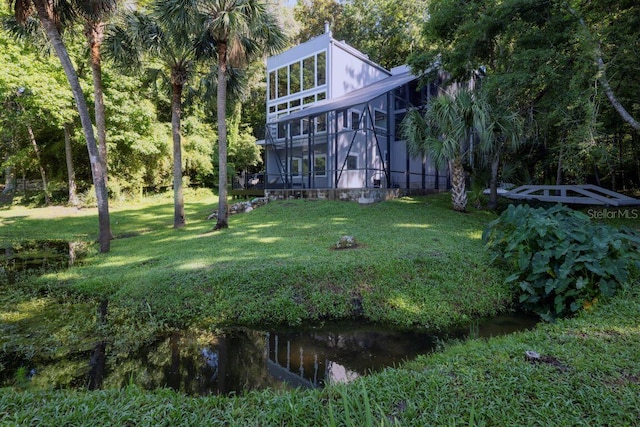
37, 256
232, 361
239, 360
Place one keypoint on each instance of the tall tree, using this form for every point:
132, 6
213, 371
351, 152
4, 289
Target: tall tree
442, 130
71, 173
386, 30
556, 60
52, 15
95, 13
167, 33
314, 14
502, 132
239, 31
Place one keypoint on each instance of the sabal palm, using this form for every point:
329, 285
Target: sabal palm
94, 14
52, 16
167, 34
503, 132
442, 131
239, 31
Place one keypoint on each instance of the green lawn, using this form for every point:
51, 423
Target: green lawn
418, 264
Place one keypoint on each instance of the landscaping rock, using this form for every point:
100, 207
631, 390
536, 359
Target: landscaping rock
346, 242
243, 207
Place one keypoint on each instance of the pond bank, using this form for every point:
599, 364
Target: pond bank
474, 383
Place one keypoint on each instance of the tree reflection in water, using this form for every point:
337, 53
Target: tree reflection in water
240, 360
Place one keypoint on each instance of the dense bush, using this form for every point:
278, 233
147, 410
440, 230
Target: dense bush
561, 261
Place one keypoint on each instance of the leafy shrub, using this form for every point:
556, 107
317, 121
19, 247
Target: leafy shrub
561, 261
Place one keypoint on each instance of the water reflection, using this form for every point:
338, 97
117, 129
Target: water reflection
240, 360
36, 256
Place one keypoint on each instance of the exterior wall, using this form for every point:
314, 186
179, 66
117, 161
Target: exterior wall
350, 70
341, 151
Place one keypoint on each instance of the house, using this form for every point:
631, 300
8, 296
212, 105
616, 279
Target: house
332, 125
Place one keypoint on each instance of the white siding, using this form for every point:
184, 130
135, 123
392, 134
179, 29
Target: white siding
350, 71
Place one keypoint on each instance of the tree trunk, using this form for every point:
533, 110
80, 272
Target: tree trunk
458, 187
493, 181
71, 174
94, 156
178, 198
9, 180
43, 174
95, 34
222, 138
602, 78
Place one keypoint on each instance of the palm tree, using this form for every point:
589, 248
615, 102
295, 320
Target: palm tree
167, 34
443, 130
239, 32
94, 13
503, 132
52, 15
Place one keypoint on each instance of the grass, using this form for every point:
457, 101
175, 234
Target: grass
278, 264
418, 264
590, 376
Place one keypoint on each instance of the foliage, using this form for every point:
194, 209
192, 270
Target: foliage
239, 33
561, 261
589, 376
538, 58
387, 31
442, 129
400, 275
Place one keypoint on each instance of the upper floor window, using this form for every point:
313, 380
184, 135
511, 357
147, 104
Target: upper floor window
299, 76
355, 120
321, 67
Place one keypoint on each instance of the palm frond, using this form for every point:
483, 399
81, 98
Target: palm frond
95, 10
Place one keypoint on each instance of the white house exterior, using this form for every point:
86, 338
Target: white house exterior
332, 118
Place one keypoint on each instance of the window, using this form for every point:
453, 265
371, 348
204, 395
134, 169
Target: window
322, 95
321, 123
308, 73
295, 128
299, 76
296, 166
272, 85
294, 78
352, 162
322, 69
283, 84
320, 165
380, 119
355, 120
309, 99
343, 119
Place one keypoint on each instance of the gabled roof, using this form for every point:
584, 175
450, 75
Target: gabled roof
357, 97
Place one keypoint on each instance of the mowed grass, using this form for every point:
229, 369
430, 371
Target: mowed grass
417, 262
